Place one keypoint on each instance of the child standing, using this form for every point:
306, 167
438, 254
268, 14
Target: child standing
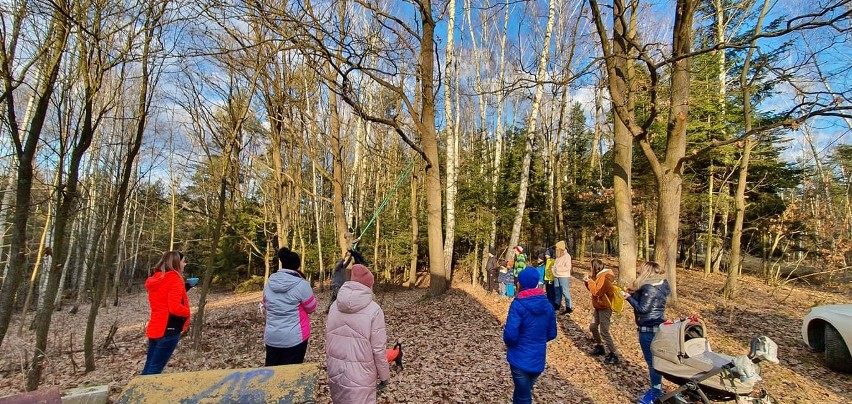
540, 267
603, 294
506, 280
549, 278
531, 323
648, 297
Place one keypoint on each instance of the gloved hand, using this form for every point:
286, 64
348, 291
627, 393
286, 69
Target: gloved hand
382, 385
357, 257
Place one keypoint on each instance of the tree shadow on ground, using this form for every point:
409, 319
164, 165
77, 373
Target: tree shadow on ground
626, 375
454, 352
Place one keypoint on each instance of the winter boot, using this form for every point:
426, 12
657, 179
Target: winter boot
598, 351
611, 359
650, 396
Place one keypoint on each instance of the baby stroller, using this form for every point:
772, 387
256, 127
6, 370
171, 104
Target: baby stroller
682, 355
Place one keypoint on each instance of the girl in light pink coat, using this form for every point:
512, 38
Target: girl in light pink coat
355, 340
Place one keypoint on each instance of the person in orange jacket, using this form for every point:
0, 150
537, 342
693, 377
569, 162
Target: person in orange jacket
169, 311
603, 294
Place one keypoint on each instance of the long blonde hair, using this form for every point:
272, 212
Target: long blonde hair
649, 269
169, 262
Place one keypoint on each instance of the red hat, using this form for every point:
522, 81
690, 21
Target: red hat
362, 275
519, 249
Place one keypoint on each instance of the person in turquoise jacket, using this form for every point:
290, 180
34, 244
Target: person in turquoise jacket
531, 323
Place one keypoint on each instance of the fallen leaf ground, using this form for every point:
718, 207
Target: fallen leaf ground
453, 344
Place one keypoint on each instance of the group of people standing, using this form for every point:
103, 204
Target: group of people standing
355, 336
531, 320
554, 275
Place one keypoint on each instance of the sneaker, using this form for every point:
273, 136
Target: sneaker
611, 359
650, 396
598, 351
567, 311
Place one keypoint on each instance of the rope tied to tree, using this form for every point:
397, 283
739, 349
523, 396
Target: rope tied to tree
399, 182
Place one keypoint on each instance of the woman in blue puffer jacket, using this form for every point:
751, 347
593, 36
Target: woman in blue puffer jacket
648, 297
530, 325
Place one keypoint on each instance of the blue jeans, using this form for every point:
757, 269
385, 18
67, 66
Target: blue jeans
563, 288
524, 382
645, 339
159, 352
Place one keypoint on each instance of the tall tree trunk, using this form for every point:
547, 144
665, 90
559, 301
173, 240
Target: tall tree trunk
439, 277
498, 132
452, 133
623, 150
531, 129
735, 264
317, 223
711, 216
412, 274
669, 172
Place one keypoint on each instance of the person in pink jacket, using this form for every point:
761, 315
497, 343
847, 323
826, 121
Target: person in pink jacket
355, 340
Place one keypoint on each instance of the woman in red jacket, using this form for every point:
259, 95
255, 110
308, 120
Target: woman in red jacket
169, 311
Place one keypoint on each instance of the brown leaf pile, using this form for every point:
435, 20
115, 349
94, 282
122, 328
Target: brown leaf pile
453, 345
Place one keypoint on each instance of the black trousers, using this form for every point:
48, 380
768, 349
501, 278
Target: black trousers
286, 356
492, 280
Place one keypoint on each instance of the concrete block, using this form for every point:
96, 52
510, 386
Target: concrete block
86, 395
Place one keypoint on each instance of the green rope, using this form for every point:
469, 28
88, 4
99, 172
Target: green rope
381, 207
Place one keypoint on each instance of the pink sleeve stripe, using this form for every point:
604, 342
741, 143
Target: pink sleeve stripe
310, 305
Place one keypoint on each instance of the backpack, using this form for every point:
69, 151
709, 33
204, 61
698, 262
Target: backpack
617, 302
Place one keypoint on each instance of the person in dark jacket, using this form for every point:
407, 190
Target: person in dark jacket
648, 296
491, 269
169, 311
531, 323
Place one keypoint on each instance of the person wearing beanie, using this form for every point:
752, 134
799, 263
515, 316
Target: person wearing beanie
520, 263
287, 301
355, 340
530, 325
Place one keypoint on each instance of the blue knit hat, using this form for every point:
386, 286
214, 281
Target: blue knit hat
528, 278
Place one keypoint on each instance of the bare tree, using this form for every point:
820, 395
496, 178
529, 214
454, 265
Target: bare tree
48, 56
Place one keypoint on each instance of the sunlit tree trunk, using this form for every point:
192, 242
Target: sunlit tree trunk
498, 132
532, 126
452, 133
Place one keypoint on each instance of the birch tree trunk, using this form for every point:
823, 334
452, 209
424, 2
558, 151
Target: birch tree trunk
531, 129
498, 132
412, 267
452, 133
